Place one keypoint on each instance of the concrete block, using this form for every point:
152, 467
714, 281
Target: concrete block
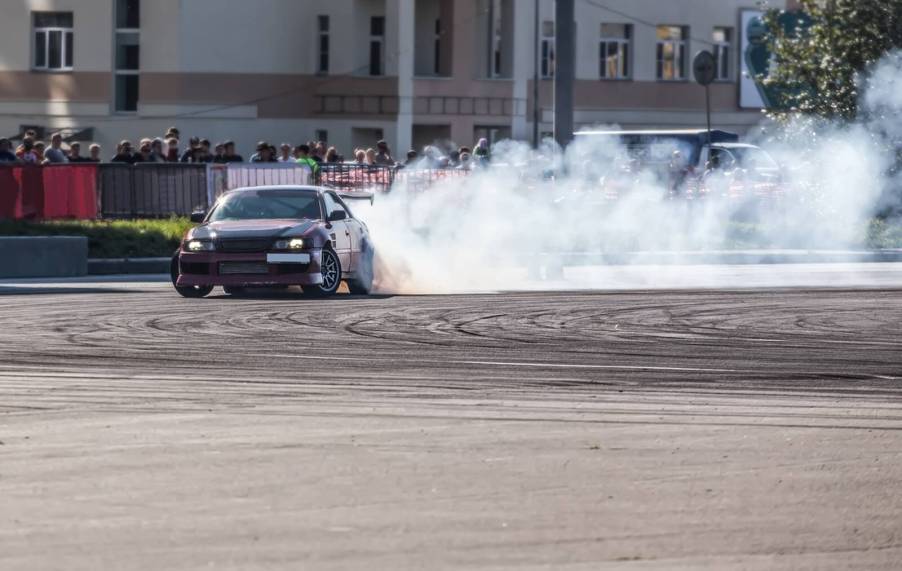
43, 256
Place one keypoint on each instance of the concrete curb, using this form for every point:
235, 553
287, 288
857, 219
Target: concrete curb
119, 266
43, 256
124, 266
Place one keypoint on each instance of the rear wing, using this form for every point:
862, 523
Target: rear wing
357, 195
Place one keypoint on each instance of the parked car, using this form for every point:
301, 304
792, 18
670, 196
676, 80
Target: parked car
276, 236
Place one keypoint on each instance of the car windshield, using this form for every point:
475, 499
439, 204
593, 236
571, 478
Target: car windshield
259, 205
752, 158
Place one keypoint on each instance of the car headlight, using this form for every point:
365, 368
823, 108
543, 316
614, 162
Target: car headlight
200, 246
289, 244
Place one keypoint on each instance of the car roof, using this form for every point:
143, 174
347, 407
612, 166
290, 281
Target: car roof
299, 187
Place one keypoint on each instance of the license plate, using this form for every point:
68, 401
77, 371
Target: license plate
243, 268
288, 258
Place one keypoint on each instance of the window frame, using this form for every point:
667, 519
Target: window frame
718, 48
323, 56
624, 58
374, 40
547, 51
125, 73
66, 36
680, 49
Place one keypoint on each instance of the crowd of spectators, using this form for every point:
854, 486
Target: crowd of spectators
168, 149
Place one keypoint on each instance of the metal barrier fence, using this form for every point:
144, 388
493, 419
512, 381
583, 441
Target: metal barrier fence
159, 190
152, 190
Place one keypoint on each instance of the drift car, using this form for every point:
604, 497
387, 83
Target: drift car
276, 236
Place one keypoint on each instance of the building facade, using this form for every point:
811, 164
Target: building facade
354, 71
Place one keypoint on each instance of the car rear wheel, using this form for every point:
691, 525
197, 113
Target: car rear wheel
186, 291
330, 267
363, 283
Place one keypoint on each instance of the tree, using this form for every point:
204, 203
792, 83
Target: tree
821, 66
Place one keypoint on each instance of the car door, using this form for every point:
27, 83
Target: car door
340, 232
359, 235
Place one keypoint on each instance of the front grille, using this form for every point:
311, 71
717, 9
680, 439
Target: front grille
243, 268
195, 269
247, 245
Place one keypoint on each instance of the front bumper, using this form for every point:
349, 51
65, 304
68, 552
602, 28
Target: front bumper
203, 269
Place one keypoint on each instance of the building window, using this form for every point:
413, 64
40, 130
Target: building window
128, 55
323, 26
722, 52
614, 51
437, 52
377, 45
547, 49
53, 41
128, 14
494, 39
671, 53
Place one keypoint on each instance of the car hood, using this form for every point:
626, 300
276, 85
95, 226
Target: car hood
252, 229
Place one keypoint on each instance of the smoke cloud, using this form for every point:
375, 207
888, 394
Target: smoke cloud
532, 214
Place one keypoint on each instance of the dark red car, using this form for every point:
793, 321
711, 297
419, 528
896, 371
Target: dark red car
276, 236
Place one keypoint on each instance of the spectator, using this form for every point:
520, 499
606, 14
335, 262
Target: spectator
306, 160
230, 155
156, 151
332, 156
75, 153
39, 148
678, 171
360, 156
95, 153
7, 156
202, 153
124, 154
383, 156
454, 159
370, 157
219, 156
318, 152
145, 153
286, 156
29, 134
465, 163
482, 149
193, 143
172, 133
29, 155
172, 150
264, 153
412, 158
55, 154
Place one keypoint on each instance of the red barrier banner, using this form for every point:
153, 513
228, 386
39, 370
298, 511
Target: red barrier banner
46, 192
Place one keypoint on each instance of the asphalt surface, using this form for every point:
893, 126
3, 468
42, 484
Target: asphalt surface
747, 429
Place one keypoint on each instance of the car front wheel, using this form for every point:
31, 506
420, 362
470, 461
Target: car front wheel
330, 267
186, 291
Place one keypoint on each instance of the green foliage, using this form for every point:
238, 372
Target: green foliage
820, 68
110, 239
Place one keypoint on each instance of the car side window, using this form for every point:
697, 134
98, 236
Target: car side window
332, 203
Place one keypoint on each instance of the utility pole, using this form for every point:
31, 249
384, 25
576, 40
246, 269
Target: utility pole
535, 79
564, 70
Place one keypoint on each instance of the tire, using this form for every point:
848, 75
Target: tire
330, 266
363, 283
186, 291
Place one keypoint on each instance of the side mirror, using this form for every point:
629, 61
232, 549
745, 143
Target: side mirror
337, 215
198, 216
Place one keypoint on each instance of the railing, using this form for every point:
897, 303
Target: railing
152, 190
